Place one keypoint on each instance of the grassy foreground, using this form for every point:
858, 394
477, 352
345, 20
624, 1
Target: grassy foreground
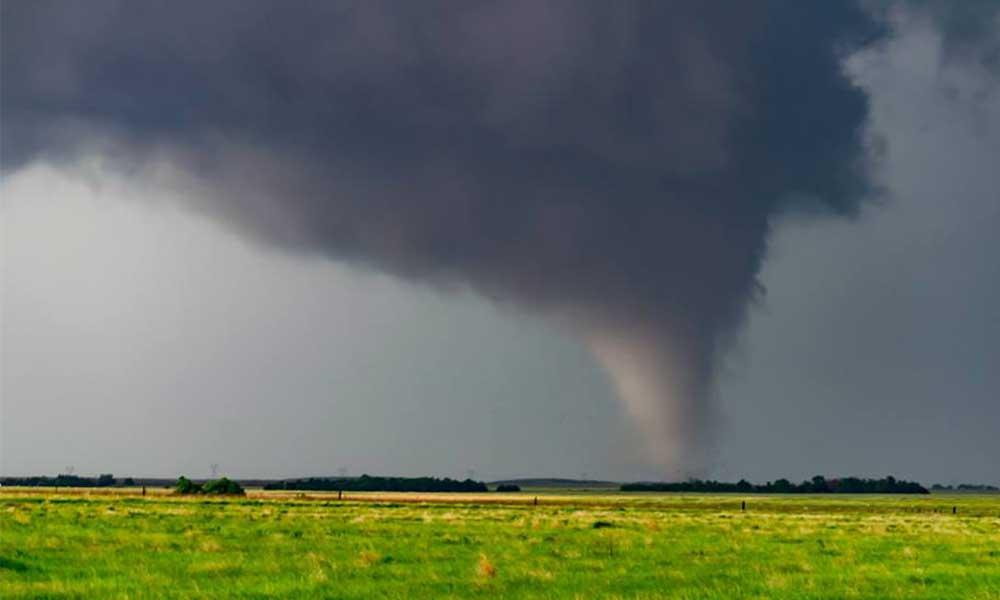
99, 545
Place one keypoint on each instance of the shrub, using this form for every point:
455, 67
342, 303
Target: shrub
223, 486
186, 486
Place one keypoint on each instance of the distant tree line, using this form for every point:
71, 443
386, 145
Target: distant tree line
816, 485
367, 483
508, 487
103, 480
965, 487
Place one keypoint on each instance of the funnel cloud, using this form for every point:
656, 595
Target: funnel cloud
614, 166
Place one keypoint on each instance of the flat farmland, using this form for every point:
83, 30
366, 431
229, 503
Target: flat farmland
119, 544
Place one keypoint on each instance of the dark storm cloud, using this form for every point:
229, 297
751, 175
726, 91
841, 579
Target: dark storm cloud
617, 165
970, 29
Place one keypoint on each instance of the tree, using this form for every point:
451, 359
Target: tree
223, 486
186, 486
819, 485
782, 486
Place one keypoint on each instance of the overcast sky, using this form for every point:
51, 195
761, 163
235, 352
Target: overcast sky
147, 333
876, 347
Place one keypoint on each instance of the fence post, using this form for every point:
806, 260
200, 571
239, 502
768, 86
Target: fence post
743, 506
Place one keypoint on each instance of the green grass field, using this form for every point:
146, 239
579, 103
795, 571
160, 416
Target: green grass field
580, 545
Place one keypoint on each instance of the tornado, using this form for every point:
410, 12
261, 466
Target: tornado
614, 167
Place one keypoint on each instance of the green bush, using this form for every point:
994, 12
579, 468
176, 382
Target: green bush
223, 486
186, 486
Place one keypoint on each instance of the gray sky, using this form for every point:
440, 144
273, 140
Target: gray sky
142, 337
139, 338
876, 349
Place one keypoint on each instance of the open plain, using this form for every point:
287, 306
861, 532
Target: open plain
119, 544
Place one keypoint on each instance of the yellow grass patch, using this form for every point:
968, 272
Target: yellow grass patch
368, 558
485, 569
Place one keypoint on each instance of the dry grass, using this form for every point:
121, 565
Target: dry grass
486, 569
368, 558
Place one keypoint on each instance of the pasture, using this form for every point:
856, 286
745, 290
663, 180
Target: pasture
101, 544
